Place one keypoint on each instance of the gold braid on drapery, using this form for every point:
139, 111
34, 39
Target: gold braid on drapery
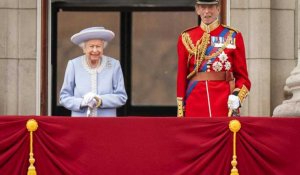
31, 126
234, 126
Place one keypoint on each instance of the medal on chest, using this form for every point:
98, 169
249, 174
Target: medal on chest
219, 41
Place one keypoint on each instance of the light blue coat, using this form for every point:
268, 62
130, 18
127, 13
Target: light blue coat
109, 86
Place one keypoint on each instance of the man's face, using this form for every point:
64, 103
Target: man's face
208, 13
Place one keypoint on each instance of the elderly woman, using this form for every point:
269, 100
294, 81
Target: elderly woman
93, 83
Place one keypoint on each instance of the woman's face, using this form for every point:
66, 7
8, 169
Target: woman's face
93, 49
208, 13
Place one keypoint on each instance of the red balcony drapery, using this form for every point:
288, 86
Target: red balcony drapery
150, 146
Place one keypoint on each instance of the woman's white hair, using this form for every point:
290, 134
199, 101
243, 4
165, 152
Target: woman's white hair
82, 45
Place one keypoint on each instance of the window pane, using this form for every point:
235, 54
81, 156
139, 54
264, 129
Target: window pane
154, 55
70, 23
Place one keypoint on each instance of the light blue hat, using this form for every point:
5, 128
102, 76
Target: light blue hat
92, 33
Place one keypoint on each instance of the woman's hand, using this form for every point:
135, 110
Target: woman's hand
88, 100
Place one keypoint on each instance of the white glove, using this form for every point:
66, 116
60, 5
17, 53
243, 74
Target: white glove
92, 103
87, 98
233, 102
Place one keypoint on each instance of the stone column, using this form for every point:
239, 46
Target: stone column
291, 107
253, 19
17, 57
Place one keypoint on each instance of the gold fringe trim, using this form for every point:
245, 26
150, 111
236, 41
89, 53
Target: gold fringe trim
188, 43
197, 50
31, 126
234, 126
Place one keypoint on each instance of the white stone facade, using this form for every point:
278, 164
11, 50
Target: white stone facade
269, 29
17, 57
291, 106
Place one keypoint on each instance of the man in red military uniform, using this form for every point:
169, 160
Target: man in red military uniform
212, 79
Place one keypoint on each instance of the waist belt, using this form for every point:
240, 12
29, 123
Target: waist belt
216, 76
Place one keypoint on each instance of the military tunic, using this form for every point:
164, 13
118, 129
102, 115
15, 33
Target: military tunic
204, 49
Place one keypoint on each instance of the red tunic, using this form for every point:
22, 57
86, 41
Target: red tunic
209, 98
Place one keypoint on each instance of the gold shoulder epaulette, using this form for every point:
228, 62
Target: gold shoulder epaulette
188, 29
229, 27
